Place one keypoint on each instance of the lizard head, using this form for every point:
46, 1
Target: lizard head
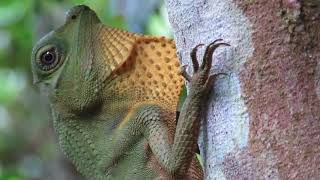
63, 61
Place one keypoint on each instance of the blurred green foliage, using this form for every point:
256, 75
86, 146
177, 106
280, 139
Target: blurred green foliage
28, 146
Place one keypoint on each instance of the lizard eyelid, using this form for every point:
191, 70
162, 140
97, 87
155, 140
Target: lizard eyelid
48, 58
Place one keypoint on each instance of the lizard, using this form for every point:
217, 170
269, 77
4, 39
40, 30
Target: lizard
113, 97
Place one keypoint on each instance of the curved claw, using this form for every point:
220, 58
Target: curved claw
194, 60
216, 41
183, 71
207, 59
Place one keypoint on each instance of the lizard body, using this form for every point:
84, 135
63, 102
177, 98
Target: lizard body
114, 96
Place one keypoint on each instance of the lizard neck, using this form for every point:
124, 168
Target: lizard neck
83, 137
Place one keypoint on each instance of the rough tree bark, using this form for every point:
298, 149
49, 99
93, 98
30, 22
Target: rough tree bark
263, 121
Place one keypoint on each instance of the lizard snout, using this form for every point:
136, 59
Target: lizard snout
74, 12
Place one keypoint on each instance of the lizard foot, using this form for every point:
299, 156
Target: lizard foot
201, 73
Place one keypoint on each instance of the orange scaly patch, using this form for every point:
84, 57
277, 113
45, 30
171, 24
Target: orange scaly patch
153, 70
147, 68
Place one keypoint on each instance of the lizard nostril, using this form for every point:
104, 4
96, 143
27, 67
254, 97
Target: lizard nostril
77, 10
86, 7
83, 7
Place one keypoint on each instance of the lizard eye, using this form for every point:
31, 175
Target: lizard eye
48, 58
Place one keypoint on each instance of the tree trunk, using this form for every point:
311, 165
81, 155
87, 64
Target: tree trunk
263, 121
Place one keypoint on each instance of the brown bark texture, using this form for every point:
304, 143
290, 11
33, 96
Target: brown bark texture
278, 81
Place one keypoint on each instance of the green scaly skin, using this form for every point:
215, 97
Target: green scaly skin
87, 112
